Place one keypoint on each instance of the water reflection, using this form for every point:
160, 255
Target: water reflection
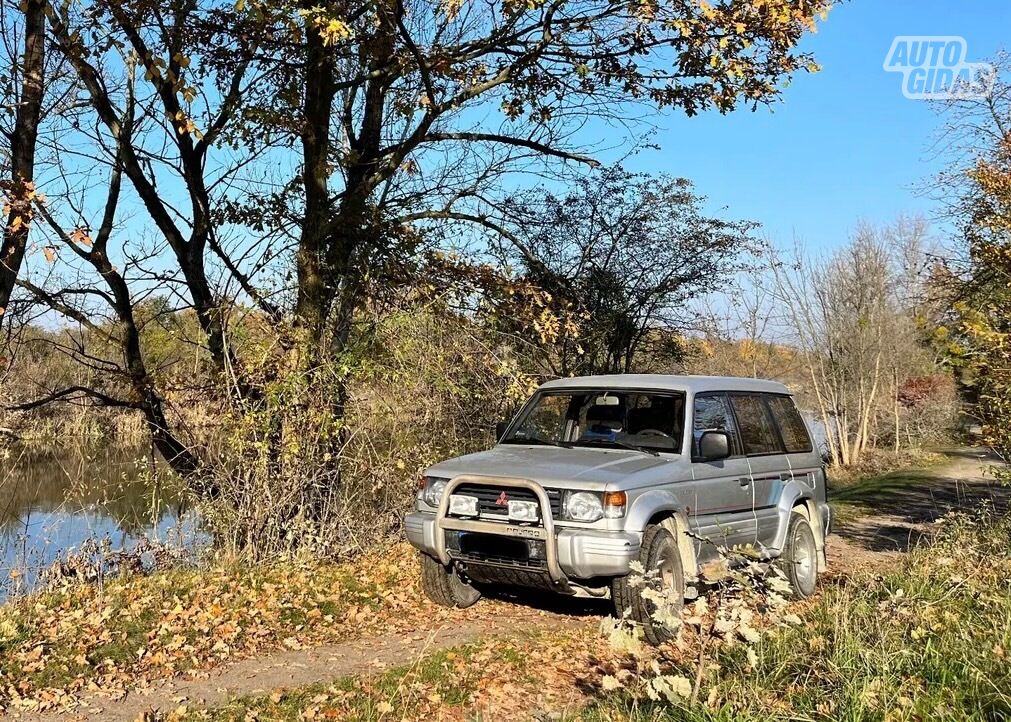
52, 501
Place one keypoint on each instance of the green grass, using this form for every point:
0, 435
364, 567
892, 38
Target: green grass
928, 640
867, 494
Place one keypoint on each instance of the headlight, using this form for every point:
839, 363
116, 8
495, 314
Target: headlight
583, 506
434, 486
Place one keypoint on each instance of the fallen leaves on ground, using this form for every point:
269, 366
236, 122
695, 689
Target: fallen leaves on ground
527, 676
86, 640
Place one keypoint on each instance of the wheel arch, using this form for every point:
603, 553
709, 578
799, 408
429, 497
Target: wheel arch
800, 500
661, 506
676, 522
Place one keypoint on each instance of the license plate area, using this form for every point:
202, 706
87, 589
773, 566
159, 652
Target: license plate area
492, 547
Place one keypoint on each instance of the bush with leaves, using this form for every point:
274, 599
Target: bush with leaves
725, 612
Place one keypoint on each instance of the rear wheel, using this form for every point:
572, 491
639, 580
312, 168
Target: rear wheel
799, 560
659, 553
444, 586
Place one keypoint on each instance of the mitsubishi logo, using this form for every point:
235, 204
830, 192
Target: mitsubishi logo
502, 500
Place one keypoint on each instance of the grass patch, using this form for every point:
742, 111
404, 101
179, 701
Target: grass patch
873, 494
928, 640
880, 491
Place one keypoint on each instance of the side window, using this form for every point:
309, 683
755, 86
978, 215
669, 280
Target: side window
791, 424
757, 431
713, 414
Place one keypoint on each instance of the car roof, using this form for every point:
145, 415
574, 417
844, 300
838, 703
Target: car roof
668, 382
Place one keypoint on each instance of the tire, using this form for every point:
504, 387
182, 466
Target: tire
444, 586
659, 551
799, 560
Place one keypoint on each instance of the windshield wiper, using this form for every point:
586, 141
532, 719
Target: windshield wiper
622, 444
538, 440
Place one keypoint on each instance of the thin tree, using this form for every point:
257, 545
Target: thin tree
18, 190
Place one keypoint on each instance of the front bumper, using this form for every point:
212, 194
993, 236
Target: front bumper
579, 553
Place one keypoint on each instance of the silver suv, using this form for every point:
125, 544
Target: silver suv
597, 472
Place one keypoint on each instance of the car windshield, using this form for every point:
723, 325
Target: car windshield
652, 421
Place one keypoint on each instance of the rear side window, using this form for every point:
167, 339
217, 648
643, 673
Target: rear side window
757, 430
791, 424
713, 414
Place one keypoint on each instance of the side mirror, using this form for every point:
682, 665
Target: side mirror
714, 445
500, 429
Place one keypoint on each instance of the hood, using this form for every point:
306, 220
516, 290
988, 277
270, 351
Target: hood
576, 468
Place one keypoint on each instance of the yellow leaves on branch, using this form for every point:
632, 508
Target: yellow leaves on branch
81, 237
19, 205
993, 212
185, 124
331, 30
451, 8
334, 31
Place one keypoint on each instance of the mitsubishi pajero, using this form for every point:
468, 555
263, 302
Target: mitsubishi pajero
597, 472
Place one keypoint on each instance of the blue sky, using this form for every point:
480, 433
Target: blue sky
844, 144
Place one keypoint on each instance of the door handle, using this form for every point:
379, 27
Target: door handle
744, 481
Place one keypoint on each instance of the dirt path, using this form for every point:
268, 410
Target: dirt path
289, 669
900, 515
903, 512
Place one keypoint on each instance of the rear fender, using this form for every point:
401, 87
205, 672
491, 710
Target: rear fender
797, 494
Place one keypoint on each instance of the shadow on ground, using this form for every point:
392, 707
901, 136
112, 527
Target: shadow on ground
551, 602
894, 511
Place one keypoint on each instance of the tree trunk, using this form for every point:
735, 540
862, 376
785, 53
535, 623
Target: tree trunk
895, 409
317, 110
23, 143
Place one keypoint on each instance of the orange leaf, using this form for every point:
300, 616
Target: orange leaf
80, 236
50, 254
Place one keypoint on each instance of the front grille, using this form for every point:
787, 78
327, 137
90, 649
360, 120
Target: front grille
500, 561
487, 496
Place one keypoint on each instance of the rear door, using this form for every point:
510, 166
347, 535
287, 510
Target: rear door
804, 461
766, 456
721, 511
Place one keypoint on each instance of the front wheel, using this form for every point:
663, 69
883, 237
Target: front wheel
799, 560
665, 578
444, 586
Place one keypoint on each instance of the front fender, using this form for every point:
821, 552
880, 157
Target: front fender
661, 501
646, 506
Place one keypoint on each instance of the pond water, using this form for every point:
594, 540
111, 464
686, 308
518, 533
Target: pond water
53, 501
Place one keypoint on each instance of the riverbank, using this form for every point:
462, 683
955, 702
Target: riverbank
151, 640
60, 502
